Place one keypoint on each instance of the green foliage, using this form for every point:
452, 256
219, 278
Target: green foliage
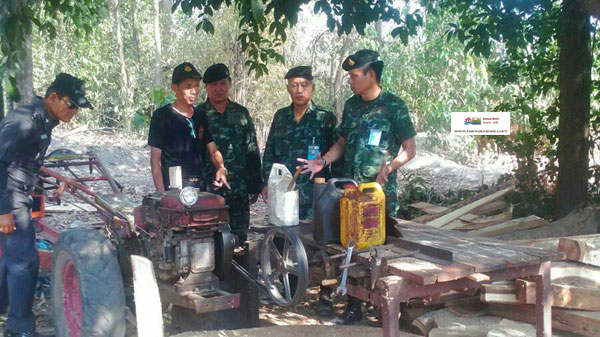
17, 18
264, 22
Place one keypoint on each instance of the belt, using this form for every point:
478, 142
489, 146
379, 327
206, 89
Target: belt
194, 180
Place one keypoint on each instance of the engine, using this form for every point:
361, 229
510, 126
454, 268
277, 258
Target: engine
190, 239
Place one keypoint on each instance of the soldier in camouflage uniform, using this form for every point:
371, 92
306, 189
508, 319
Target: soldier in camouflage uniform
375, 125
234, 134
299, 130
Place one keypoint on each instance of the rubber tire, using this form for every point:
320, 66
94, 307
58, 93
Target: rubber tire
100, 284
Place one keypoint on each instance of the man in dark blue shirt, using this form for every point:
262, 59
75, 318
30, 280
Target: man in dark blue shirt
24, 138
180, 136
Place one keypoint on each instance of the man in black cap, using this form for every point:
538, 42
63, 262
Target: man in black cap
180, 136
376, 138
233, 131
302, 129
25, 135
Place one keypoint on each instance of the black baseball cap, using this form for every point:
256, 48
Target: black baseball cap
184, 71
300, 71
216, 72
68, 85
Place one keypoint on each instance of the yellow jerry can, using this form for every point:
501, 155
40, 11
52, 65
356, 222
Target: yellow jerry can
362, 215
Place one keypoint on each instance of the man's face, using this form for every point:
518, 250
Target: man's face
187, 91
300, 89
361, 81
61, 108
218, 91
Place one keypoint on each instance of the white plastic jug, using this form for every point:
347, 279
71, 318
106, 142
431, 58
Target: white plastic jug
283, 204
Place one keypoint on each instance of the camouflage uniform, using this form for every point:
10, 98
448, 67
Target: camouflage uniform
235, 137
289, 140
373, 131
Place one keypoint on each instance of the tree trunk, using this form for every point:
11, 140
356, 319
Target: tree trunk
167, 25
25, 75
1, 100
338, 81
116, 13
575, 90
157, 45
134, 30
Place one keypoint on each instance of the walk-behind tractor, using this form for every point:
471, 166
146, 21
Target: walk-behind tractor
185, 233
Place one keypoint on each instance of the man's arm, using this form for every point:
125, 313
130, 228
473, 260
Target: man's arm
217, 160
155, 166
409, 150
313, 166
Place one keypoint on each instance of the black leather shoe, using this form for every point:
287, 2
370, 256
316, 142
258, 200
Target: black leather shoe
10, 333
324, 307
352, 315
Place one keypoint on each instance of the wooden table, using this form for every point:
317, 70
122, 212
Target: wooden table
409, 277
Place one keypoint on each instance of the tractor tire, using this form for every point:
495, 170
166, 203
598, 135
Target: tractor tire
87, 288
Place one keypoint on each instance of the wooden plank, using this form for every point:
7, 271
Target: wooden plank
586, 323
408, 228
551, 243
483, 258
572, 293
147, 298
428, 208
490, 207
581, 250
469, 217
502, 292
468, 208
482, 222
520, 224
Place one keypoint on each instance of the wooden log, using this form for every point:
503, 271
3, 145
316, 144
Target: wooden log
586, 323
520, 224
501, 292
581, 250
572, 293
439, 222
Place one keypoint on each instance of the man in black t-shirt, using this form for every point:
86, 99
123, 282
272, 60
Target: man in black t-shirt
179, 136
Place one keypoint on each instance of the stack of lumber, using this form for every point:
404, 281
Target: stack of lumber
575, 287
484, 214
575, 291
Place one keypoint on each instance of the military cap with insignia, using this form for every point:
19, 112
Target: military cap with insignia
72, 87
216, 72
361, 59
300, 71
184, 71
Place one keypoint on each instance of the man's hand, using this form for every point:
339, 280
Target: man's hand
221, 179
7, 224
313, 166
253, 197
265, 194
384, 171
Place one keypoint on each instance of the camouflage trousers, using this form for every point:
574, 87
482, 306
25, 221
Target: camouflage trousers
239, 216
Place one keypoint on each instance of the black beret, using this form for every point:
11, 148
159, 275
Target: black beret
72, 87
184, 71
300, 71
216, 72
361, 59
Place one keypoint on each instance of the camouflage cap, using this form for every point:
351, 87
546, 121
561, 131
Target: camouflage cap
361, 59
300, 71
216, 72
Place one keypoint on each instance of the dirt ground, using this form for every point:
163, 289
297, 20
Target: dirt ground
127, 157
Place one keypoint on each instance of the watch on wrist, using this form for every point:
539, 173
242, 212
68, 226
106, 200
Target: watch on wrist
324, 161
225, 169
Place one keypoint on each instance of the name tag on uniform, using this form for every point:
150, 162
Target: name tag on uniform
374, 137
313, 152
44, 136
